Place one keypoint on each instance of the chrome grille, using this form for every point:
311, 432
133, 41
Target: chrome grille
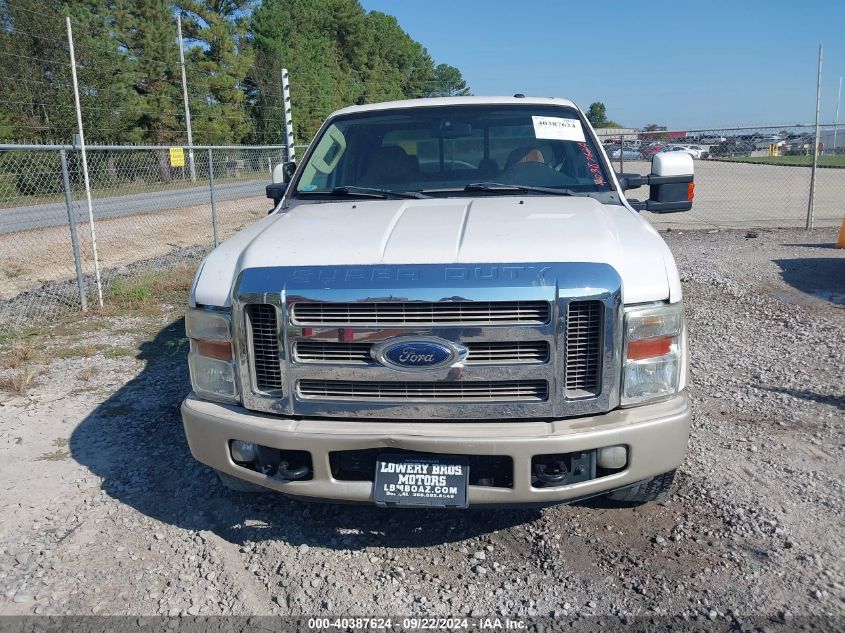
265, 346
330, 352
508, 353
498, 353
583, 348
510, 317
466, 391
422, 313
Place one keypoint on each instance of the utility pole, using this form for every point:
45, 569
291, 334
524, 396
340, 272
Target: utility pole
84, 163
185, 99
289, 149
836, 117
809, 223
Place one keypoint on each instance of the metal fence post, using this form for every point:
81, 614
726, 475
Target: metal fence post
84, 163
811, 201
213, 202
74, 241
290, 152
622, 154
185, 99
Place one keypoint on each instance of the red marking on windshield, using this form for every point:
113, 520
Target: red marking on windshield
592, 165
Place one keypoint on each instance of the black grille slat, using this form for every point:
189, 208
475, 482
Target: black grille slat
583, 348
515, 352
265, 346
469, 391
331, 352
422, 313
502, 353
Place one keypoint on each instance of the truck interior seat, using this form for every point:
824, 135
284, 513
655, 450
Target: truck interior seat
391, 163
525, 154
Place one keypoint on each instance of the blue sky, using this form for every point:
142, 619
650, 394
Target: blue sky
681, 64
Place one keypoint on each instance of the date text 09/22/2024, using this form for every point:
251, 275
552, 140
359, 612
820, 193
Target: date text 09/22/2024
418, 623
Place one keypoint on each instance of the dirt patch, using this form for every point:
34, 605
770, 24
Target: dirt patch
748, 539
28, 259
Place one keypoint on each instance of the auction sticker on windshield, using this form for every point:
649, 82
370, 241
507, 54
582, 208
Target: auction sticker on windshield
421, 480
558, 128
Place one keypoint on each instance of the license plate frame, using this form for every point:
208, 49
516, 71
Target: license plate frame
404, 480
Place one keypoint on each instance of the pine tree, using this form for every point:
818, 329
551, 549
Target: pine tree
218, 61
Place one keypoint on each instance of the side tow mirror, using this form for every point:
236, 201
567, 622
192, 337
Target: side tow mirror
282, 175
671, 183
283, 172
276, 191
629, 181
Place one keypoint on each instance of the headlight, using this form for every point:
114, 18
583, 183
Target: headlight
211, 359
653, 352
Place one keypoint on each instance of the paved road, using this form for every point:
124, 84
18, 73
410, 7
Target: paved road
728, 195
55, 214
740, 195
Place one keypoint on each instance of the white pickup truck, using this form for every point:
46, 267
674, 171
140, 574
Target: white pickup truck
451, 304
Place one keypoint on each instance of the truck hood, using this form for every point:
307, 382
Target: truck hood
509, 229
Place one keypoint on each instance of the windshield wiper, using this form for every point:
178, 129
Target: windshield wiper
366, 192
497, 186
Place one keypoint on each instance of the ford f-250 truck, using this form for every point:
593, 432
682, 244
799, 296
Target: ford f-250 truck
451, 304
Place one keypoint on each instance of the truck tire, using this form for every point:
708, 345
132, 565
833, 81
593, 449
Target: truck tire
239, 485
654, 489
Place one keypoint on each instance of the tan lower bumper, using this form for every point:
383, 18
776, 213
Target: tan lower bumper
656, 435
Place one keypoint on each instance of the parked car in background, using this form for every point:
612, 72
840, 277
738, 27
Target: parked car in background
763, 141
650, 150
628, 153
696, 151
730, 148
711, 139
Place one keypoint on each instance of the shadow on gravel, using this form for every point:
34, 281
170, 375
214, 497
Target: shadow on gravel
134, 441
823, 277
804, 394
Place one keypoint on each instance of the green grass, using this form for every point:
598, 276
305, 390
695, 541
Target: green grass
148, 288
119, 352
148, 295
804, 161
8, 336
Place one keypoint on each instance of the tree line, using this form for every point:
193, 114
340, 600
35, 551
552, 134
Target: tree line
129, 74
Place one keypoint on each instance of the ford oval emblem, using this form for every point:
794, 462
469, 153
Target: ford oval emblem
413, 354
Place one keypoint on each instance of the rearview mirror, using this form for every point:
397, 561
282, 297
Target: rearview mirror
671, 184
452, 129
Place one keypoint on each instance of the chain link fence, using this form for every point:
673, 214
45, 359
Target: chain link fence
753, 177
154, 209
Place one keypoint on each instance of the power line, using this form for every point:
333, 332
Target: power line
38, 81
40, 59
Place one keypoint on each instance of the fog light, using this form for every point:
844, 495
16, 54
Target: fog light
613, 457
244, 451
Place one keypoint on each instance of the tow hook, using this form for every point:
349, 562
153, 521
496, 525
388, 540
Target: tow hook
276, 464
286, 473
552, 473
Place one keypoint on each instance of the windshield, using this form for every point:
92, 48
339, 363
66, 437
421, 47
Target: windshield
444, 150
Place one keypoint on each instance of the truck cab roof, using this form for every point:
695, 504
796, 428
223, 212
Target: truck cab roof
445, 101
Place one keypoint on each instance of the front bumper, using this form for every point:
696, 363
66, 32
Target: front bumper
656, 436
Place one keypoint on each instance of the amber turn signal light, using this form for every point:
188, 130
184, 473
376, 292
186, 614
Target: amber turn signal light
649, 348
221, 350
691, 191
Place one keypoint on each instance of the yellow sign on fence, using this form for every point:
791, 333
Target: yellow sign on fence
177, 157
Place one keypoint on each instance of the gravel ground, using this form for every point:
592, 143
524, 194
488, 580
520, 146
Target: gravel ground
102, 509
